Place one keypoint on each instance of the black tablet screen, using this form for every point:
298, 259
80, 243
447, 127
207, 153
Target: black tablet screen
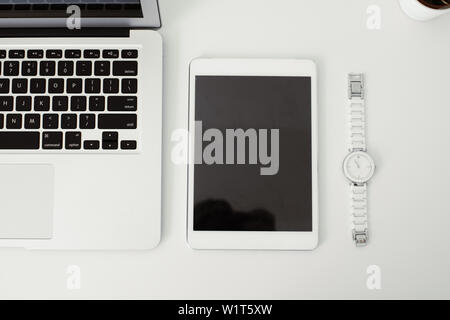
253, 166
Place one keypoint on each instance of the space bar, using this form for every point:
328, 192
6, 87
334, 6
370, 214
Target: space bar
19, 140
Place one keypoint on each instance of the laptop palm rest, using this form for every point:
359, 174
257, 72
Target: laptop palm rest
26, 201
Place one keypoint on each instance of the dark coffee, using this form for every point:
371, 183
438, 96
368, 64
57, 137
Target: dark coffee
436, 4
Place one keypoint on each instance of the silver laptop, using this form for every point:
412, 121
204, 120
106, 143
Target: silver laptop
80, 124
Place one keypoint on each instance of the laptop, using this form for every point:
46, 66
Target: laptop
80, 124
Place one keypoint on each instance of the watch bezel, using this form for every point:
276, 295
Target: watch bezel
347, 174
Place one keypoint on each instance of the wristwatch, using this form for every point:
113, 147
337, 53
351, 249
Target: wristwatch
358, 166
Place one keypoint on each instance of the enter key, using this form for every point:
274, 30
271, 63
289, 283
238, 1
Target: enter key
122, 103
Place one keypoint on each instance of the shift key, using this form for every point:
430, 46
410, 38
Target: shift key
117, 121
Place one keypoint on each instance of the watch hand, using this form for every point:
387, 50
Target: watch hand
357, 164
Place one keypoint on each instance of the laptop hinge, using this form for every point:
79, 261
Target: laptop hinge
64, 33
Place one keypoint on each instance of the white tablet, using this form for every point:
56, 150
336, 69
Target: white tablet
253, 155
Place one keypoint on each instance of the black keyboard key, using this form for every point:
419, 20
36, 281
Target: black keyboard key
69, 121
41, 103
110, 140
2, 54
125, 68
10, 140
2, 120
129, 86
60, 103
84, 68
129, 54
65, 68
52, 140
87, 121
110, 54
73, 140
110, 136
122, 103
4, 85
91, 145
110, 145
73, 54
47, 68
29, 68
19, 86
102, 68
74, 85
16, 54
56, 85
14, 121
51, 121
35, 54
32, 121
110, 85
128, 145
23, 103
54, 54
11, 68
92, 54
92, 85
37, 86
117, 121
78, 103
6, 103
96, 103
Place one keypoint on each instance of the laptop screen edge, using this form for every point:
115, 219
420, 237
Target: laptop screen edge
151, 19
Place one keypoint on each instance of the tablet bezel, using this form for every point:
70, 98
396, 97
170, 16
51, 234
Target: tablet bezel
246, 240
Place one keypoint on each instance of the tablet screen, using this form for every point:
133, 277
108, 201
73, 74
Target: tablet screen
253, 166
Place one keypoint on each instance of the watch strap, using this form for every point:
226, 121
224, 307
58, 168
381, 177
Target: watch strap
357, 114
359, 214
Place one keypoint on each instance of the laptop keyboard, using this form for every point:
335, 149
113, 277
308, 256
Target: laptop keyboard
69, 99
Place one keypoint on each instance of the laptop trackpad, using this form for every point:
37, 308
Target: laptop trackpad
26, 201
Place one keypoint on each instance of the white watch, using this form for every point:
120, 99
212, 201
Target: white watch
358, 166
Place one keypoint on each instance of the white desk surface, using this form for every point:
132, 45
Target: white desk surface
408, 76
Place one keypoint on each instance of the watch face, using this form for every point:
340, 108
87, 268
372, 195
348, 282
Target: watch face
359, 167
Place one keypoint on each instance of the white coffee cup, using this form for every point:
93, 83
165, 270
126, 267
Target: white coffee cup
420, 11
